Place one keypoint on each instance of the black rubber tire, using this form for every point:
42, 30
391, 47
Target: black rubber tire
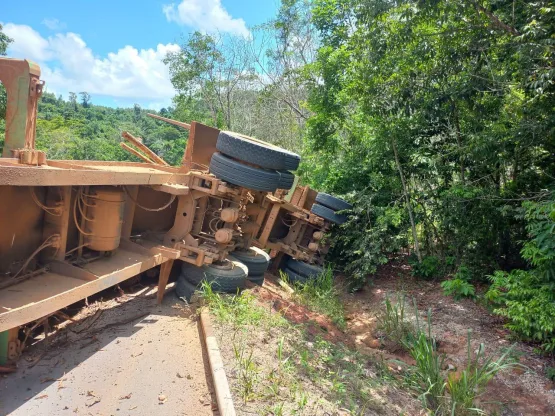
257, 280
328, 214
246, 176
286, 179
184, 289
332, 202
222, 280
304, 269
294, 277
256, 260
256, 152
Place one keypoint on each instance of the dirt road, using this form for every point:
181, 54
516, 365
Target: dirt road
154, 364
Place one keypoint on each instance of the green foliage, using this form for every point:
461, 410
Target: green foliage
393, 321
4, 43
451, 393
458, 288
527, 297
427, 376
429, 268
464, 93
364, 242
239, 310
470, 383
84, 131
550, 373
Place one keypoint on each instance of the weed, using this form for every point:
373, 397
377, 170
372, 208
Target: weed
465, 386
239, 310
277, 410
247, 372
302, 400
321, 295
426, 376
456, 393
393, 322
550, 373
280, 349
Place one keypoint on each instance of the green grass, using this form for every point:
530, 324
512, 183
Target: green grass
441, 392
239, 310
247, 372
342, 375
451, 393
320, 294
393, 322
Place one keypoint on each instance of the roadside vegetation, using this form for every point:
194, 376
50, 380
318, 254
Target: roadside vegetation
442, 389
321, 294
278, 368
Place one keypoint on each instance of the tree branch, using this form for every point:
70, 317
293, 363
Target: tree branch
496, 21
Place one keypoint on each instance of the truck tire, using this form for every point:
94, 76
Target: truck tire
257, 152
256, 260
257, 280
246, 176
294, 277
226, 278
332, 202
328, 214
184, 289
304, 269
286, 179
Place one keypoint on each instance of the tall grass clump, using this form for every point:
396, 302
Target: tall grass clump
442, 392
321, 294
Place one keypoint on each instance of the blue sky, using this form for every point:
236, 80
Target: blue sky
113, 49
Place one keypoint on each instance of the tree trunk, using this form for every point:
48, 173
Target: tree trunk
459, 140
407, 199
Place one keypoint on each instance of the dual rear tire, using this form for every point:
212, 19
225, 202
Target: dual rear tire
237, 155
256, 260
301, 272
326, 206
228, 277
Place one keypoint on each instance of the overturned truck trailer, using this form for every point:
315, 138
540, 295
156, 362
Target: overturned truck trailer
70, 229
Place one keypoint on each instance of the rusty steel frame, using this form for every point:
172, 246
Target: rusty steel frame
63, 281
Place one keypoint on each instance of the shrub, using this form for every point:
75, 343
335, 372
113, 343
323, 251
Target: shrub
429, 268
458, 288
528, 304
527, 297
363, 243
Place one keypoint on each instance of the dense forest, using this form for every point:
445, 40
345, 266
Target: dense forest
435, 118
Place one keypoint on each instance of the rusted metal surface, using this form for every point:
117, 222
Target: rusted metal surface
200, 147
149, 153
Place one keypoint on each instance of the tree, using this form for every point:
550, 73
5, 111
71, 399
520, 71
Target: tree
458, 94
85, 99
212, 68
4, 43
73, 101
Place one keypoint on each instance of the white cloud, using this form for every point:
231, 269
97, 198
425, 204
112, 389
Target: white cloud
68, 64
27, 42
206, 16
53, 24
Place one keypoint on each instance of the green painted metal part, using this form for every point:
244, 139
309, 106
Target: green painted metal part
16, 78
4, 347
